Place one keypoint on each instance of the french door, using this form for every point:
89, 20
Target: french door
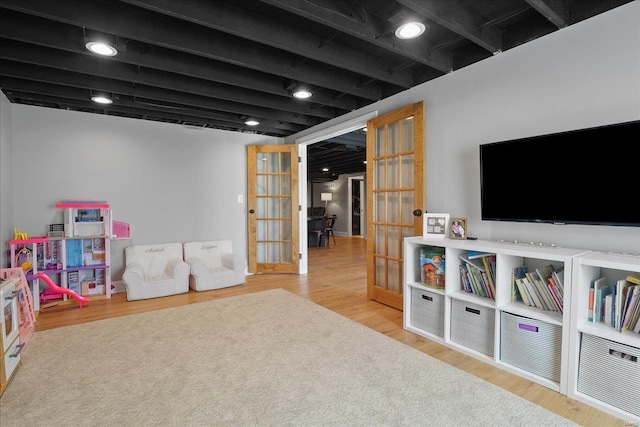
272, 205
395, 197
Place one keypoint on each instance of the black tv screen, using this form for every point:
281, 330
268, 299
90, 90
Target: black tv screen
587, 176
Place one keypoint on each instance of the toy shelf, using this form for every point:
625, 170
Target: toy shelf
26, 314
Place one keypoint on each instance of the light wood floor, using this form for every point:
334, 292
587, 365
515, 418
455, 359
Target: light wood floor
337, 281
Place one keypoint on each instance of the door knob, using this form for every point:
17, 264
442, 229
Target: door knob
252, 211
417, 212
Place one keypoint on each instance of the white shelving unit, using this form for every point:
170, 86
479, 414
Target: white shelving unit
495, 331
604, 363
590, 362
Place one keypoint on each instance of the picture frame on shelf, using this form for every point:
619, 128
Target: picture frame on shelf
435, 225
458, 228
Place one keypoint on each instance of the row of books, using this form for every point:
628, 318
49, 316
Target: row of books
616, 304
478, 274
540, 287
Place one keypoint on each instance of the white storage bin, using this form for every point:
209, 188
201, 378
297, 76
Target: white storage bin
532, 345
472, 326
610, 372
427, 311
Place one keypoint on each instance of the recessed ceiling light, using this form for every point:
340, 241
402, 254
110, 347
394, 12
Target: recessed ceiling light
325, 169
251, 122
101, 99
101, 48
410, 30
302, 94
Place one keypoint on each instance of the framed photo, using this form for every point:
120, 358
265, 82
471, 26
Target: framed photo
435, 225
458, 228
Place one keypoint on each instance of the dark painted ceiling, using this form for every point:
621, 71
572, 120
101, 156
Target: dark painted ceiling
216, 63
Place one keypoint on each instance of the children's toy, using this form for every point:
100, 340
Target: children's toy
26, 316
19, 235
49, 295
46, 279
24, 259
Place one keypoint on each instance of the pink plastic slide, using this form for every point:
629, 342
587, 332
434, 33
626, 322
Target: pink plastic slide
46, 279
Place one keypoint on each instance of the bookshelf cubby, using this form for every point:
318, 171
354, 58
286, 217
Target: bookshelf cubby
604, 363
554, 348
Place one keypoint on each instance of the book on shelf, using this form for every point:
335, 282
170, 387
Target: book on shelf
516, 293
524, 293
476, 277
531, 292
601, 289
633, 293
557, 297
558, 278
556, 290
591, 297
468, 280
627, 301
635, 316
489, 288
635, 323
465, 280
634, 278
621, 295
624, 299
542, 290
479, 276
477, 254
545, 274
489, 262
474, 262
529, 285
608, 307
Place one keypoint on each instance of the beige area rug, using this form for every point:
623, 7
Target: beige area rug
264, 359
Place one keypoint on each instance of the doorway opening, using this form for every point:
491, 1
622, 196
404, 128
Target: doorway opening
357, 225
306, 191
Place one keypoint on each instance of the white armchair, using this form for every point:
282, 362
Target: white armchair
153, 271
214, 265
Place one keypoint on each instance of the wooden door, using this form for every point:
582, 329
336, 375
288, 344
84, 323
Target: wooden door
395, 197
272, 178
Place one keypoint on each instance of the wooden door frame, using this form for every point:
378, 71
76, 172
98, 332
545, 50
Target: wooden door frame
302, 142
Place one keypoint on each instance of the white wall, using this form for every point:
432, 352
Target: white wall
176, 184
582, 76
171, 183
6, 190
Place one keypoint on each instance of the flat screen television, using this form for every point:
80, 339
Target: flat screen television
587, 176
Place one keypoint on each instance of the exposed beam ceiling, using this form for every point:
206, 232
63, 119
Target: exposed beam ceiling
215, 64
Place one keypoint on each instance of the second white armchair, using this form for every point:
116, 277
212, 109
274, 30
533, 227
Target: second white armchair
214, 265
